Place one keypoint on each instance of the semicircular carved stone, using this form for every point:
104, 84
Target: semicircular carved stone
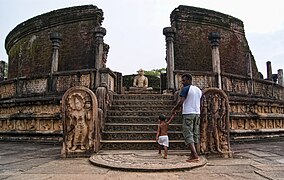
214, 123
80, 122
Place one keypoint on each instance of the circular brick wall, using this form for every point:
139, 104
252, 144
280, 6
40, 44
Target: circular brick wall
30, 49
192, 48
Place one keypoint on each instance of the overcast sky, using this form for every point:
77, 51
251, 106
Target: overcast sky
134, 27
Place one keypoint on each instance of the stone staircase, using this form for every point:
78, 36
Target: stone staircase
132, 120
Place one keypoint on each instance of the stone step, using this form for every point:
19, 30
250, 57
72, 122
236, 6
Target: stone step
142, 97
138, 113
138, 135
140, 145
132, 120
141, 108
138, 127
143, 102
139, 119
30, 136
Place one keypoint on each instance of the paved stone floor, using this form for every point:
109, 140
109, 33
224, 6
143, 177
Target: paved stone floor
18, 161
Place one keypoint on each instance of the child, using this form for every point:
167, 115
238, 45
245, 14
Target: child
162, 133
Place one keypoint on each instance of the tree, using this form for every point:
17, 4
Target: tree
155, 72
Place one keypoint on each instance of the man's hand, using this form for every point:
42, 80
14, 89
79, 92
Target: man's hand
174, 111
178, 105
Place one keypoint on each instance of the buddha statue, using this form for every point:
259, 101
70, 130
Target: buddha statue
140, 80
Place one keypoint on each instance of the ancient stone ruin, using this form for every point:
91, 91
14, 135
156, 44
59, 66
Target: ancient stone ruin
49, 55
60, 89
212, 47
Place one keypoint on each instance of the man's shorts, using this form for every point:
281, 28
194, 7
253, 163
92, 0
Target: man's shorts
164, 140
190, 128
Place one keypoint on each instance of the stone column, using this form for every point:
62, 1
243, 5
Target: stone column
2, 70
99, 34
105, 54
269, 70
280, 77
249, 73
56, 40
249, 67
169, 32
214, 38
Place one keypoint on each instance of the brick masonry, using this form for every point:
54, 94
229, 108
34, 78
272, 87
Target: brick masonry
191, 45
30, 49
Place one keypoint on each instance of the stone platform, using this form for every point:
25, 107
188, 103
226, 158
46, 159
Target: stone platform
145, 161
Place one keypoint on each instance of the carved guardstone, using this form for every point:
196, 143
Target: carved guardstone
80, 122
214, 123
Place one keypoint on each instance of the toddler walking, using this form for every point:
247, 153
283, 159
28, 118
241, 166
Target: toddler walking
162, 134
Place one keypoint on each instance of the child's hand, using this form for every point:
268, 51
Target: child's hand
157, 139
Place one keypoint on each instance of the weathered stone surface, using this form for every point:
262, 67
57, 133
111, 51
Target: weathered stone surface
29, 104
136, 161
132, 122
30, 49
81, 123
191, 46
214, 123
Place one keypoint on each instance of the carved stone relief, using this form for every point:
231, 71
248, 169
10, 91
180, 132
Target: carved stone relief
105, 54
251, 124
278, 123
80, 122
261, 124
103, 104
214, 130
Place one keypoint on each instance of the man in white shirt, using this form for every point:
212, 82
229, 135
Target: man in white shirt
190, 101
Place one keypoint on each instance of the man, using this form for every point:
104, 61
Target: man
190, 100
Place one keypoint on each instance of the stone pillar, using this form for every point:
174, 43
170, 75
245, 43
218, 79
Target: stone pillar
214, 38
105, 54
56, 40
280, 77
249, 67
99, 34
249, 73
2, 70
269, 70
169, 32
118, 82
105, 78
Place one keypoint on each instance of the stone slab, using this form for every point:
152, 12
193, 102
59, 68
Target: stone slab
144, 161
261, 153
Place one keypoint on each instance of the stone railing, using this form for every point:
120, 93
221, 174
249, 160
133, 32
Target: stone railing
235, 84
31, 106
239, 85
58, 83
